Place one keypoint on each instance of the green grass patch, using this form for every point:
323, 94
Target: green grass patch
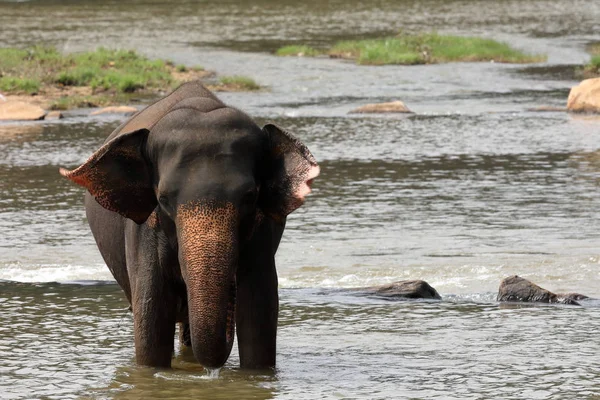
298, 50
428, 48
10, 84
378, 52
104, 73
592, 69
104, 69
238, 82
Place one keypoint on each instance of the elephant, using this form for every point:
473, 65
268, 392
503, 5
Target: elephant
187, 202
517, 289
409, 289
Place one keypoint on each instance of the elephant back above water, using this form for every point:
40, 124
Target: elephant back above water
517, 289
187, 202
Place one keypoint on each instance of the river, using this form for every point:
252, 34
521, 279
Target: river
471, 189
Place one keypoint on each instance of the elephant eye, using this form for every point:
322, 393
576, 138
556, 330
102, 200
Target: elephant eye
249, 197
164, 202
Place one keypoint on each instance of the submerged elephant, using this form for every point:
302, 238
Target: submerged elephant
517, 289
187, 202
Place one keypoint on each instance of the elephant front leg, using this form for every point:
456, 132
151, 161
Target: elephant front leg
257, 305
153, 295
154, 325
256, 317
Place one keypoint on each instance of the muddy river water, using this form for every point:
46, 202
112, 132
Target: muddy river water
471, 189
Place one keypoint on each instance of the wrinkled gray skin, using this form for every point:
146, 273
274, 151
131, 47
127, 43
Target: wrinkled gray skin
517, 289
187, 202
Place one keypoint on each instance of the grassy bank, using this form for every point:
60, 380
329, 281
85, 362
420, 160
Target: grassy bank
427, 48
94, 78
298, 50
237, 83
28, 70
592, 69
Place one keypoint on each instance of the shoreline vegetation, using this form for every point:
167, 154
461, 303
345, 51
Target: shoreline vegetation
592, 69
426, 48
103, 77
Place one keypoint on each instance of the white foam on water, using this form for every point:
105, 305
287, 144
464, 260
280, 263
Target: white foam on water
212, 373
558, 274
186, 376
20, 272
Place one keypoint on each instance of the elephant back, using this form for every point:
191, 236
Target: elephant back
149, 116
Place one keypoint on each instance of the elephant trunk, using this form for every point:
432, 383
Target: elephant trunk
209, 256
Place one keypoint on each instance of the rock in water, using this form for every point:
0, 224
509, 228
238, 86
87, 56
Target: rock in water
412, 289
585, 97
53, 115
518, 289
391, 107
20, 111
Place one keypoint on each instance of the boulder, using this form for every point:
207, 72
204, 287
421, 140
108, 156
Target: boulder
519, 289
53, 115
20, 111
379, 108
115, 110
585, 97
411, 289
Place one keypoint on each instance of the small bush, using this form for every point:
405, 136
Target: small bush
592, 69
19, 85
297, 50
238, 82
78, 76
377, 52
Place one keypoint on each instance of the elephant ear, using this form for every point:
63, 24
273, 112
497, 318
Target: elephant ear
118, 176
290, 171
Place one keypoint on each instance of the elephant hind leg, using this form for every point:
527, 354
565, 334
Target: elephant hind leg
185, 338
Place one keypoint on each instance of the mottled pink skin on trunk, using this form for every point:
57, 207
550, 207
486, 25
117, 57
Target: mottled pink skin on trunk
208, 254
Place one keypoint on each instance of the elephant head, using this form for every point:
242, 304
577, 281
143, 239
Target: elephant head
208, 176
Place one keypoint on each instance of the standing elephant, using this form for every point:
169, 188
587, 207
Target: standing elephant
187, 202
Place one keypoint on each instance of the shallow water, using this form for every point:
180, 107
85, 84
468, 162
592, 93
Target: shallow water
74, 341
471, 189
